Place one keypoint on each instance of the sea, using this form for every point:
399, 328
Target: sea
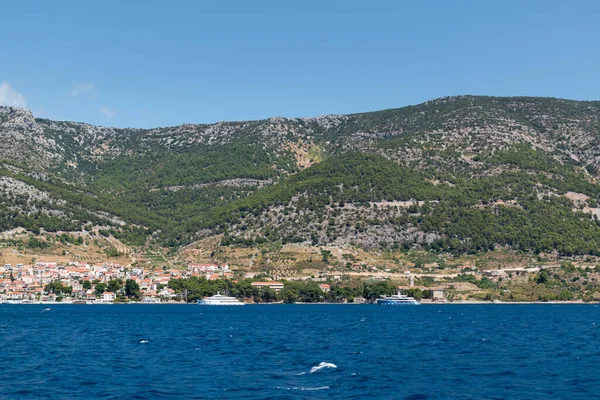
139, 351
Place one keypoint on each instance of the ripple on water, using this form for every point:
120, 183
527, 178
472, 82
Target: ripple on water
322, 351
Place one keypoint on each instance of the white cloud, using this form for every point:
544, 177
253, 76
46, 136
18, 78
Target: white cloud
83, 87
109, 112
10, 97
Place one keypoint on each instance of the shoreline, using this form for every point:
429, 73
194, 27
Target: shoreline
334, 304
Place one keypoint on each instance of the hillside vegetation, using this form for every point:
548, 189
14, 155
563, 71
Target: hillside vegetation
461, 174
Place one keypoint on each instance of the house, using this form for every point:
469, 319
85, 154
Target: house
14, 295
325, 287
163, 279
150, 299
276, 286
437, 294
147, 285
46, 279
202, 268
107, 297
167, 292
46, 264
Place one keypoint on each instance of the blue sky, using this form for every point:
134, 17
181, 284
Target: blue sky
153, 63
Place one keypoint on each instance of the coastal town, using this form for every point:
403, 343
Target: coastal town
81, 269
77, 282
91, 282
83, 283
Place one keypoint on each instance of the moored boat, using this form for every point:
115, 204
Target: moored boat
220, 300
398, 300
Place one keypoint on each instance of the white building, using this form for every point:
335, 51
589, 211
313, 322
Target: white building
276, 286
107, 297
325, 287
46, 264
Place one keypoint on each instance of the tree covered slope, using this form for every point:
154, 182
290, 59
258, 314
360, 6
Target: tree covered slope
459, 174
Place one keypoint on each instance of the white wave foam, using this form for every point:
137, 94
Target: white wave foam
302, 388
322, 365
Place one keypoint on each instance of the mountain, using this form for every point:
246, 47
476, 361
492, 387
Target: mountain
459, 174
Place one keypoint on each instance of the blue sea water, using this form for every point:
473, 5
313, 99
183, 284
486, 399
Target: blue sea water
300, 351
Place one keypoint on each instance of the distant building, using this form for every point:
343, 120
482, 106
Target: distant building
325, 287
46, 264
213, 277
107, 297
276, 286
78, 287
150, 299
167, 292
437, 294
203, 267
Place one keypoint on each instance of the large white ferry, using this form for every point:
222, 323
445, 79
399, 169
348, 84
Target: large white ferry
398, 300
220, 300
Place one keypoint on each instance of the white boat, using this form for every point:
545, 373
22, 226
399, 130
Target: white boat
220, 300
398, 300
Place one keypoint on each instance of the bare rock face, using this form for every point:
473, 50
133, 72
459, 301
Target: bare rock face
443, 133
17, 119
20, 135
14, 187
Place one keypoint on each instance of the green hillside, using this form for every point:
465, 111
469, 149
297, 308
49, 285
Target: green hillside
524, 209
460, 174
